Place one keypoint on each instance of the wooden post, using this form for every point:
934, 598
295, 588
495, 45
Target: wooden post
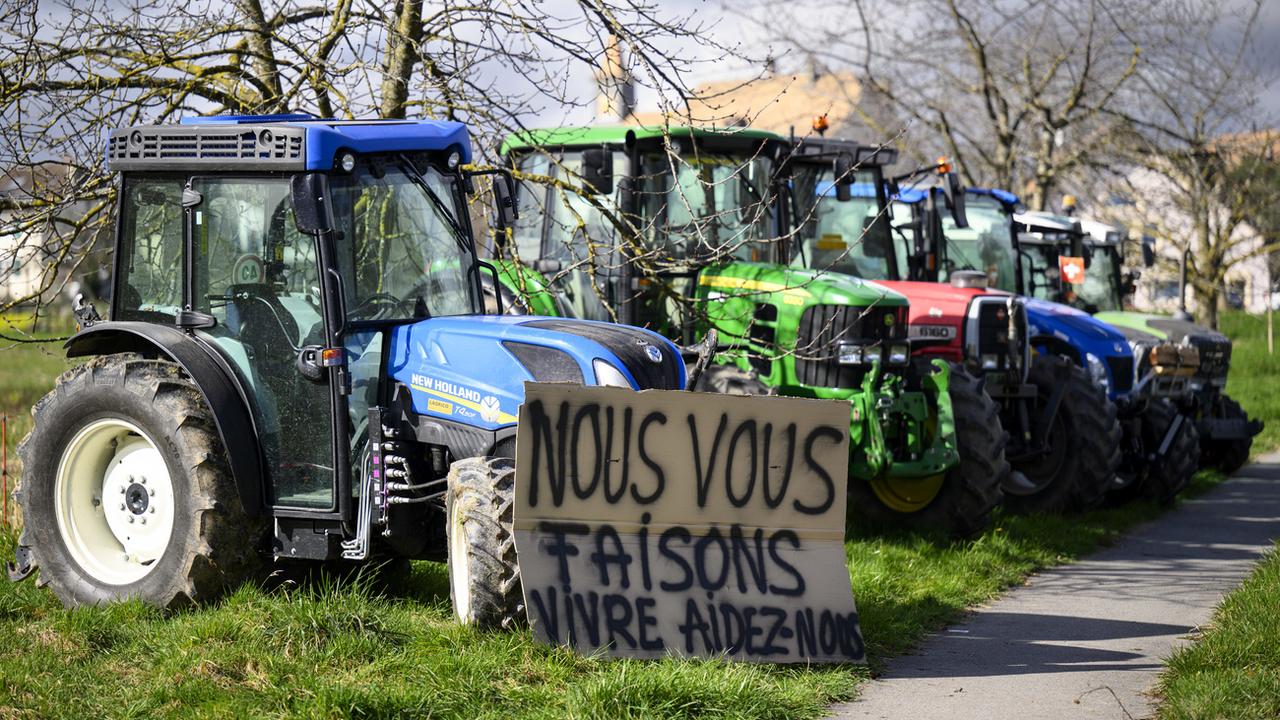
4, 464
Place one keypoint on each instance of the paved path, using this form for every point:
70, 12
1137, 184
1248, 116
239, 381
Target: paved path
1087, 640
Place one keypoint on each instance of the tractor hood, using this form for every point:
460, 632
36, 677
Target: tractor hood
1214, 347
1074, 326
472, 369
797, 286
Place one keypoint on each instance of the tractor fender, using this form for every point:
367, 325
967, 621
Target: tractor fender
215, 379
1054, 345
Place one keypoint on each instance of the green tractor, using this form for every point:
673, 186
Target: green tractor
675, 229
296, 369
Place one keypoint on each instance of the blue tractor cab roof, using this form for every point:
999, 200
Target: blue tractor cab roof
827, 188
1003, 196
286, 142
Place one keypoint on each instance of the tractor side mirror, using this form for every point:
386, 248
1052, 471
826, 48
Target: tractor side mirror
954, 192
504, 200
876, 240
597, 170
842, 167
310, 211
1148, 252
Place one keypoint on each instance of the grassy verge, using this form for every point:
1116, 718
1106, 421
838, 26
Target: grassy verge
344, 650
1233, 670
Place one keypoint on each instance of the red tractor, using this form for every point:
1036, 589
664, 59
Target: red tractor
1063, 443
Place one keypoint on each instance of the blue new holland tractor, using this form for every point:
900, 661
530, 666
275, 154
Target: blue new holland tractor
296, 367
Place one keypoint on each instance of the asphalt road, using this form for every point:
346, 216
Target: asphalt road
1087, 640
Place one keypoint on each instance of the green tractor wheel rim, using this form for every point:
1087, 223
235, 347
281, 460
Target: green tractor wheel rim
908, 495
114, 501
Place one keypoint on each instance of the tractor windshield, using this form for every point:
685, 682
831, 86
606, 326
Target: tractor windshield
1102, 287
708, 206
831, 233
986, 245
401, 251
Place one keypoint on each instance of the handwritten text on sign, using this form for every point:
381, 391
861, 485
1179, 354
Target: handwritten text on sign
664, 522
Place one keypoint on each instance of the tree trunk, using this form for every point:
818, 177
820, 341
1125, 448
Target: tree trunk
402, 57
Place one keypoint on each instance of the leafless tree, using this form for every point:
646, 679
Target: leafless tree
70, 71
1010, 89
1201, 175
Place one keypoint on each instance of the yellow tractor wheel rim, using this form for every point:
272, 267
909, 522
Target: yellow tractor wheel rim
908, 495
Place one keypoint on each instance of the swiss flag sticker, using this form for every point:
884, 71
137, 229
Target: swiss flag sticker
1072, 269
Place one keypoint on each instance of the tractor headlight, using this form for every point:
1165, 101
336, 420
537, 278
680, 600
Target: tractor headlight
608, 375
849, 354
347, 162
990, 362
1098, 371
898, 354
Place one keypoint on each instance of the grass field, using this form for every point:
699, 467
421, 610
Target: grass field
348, 650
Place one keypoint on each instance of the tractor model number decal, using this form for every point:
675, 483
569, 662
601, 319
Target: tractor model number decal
933, 332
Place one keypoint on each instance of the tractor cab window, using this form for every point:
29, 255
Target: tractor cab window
1101, 287
400, 247
566, 229
258, 276
830, 233
707, 207
151, 267
1041, 276
986, 245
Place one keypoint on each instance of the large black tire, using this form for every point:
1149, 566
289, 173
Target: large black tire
1162, 480
1226, 455
731, 380
1084, 444
970, 491
484, 579
213, 546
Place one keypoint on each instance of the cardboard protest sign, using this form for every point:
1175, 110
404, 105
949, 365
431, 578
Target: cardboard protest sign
664, 523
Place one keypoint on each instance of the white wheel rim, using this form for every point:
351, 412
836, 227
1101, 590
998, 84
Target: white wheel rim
459, 567
113, 501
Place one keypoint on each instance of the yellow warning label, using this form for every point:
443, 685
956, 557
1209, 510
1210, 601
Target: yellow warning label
439, 406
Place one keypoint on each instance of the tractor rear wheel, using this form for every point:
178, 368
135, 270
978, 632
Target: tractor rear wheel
731, 380
1164, 479
1227, 455
126, 491
958, 502
1083, 444
484, 579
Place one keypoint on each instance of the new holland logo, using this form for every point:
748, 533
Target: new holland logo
489, 409
654, 354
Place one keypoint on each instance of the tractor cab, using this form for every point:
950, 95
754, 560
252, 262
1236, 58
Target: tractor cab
660, 205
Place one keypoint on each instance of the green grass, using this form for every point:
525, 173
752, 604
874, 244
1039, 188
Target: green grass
1233, 670
348, 650
27, 372
1253, 371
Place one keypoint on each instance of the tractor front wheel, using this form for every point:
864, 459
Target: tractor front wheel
1163, 479
484, 579
958, 502
1227, 455
1082, 444
126, 491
